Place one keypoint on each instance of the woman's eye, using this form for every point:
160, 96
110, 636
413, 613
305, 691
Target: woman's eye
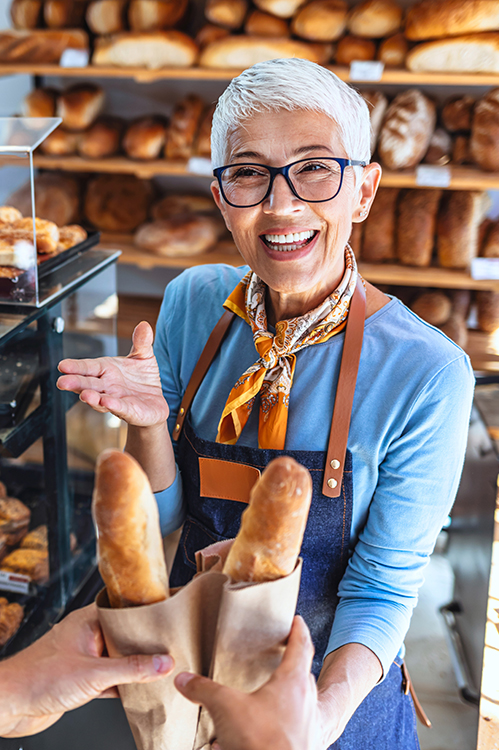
247, 172
315, 166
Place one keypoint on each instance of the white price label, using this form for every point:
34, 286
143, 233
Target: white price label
428, 175
485, 268
74, 58
14, 582
200, 165
366, 70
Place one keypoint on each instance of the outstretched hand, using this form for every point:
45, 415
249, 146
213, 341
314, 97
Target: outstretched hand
128, 387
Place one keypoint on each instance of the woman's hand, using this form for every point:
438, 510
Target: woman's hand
129, 387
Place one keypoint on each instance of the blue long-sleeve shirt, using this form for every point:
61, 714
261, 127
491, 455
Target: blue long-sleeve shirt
407, 437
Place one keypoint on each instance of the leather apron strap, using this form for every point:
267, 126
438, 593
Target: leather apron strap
340, 424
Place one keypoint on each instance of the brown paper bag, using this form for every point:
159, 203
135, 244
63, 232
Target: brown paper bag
233, 633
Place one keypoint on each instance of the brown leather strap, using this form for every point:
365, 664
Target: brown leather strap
409, 688
203, 363
340, 425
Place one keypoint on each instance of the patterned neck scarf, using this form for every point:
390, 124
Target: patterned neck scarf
272, 373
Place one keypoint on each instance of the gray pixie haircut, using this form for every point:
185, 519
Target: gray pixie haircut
291, 84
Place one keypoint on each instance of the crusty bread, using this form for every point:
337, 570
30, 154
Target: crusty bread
378, 243
129, 544
153, 15
440, 148
155, 49
280, 8
352, 48
461, 150
227, 13
393, 51
321, 20
57, 198
183, 127
61, 14
80, 105
60, 142
433, 19
8, 215
377, 103
106, 16
375, 18
272, 527
259, 23
210, 33
434, 307
40, 103
459, 217
416, 225
407, 129
117, 203
11, 617
25, 14
457, 113
241, 52
182, 235
474, 53
178, 203
145, 138
202, 145
39, 46
488, 310
28, 562
101, 139
484, 141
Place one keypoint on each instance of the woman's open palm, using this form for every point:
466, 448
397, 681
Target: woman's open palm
129, 387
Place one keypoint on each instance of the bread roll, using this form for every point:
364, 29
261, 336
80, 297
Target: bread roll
354, 48
158, 49
321, 20
8, 215
210, 33
183, 128
475, 53
129, 544
434, 307
80, 105
259, 23
47, 233
377, 103
416, 225
461, 150
145, 138
28, 562
40, 46
40, 103
36, 539
375, 18
440, 148
490, 246
280, 8
102, 139
70, 236
484, 141
407, 130
61, 14
241, 52
432, 19
57, 198
459, 218
60, 142
11, 617
457, 113
324, 51
171, 205
153, 15
106, 16
117, 203
272, 526
202, 145
488, 311
25, 14
393, 51
179, 236
379, 228
228, 13
14, 519
455, 329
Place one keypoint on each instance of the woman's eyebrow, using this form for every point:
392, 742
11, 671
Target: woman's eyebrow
297, 152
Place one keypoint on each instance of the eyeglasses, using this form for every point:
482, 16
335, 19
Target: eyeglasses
310, 180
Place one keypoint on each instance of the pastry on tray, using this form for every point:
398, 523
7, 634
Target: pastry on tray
28, 562
11, 617
14, 519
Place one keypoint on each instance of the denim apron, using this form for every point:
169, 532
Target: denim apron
386, 718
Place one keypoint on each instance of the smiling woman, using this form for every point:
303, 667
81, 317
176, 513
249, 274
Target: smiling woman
310, 361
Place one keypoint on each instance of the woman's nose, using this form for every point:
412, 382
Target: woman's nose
282, 199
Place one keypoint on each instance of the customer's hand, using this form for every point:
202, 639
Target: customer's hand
283, 714
64, 670
129, 387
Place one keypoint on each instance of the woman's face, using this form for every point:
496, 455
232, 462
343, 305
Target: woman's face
313, 269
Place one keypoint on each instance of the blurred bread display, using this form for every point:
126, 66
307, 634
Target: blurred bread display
407, 129
375, 18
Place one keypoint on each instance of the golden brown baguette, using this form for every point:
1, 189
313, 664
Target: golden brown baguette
129, 544
272, 527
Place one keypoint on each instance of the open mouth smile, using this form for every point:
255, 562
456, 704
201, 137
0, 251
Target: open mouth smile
286, 243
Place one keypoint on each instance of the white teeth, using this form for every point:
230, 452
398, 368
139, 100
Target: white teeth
286, 239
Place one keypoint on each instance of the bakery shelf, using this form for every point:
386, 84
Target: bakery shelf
462, 178
226, 253
483, 350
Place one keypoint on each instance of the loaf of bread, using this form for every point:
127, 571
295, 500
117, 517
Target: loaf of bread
484, 141
70, 236
117, 203
183, 127
409, 124
461, 150
461, 300
182, 235
377, 104
434, 307
352, 48
154, 15
102, 139
227, 13
460, 214
8, 215
57, 198
259, 23
416, 226
155, 49
39, 46
455, 328
433, 19
440, 148
106, 16
129, 544
272, 526
28, 562
60, 142
378, 244
25, 14
178, 203
240, 52
202, 146
145, 138
457, 113
474, 53
210, 33
61, 14
11, 617
488, 311
280, 8
80, 105
40, 103
393, 51
489, 239
14, 519
321, 20
375, 18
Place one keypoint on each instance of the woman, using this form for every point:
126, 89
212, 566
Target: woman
291, 146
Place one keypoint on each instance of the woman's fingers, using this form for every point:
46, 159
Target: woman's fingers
203, 690
142, 341
299, 651
79, 383
87, 367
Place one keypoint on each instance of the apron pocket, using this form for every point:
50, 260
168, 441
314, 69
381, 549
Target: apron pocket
194, 537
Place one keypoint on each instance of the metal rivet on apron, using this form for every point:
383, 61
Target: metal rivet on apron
182, 411
335, 464
177, 427
332, 483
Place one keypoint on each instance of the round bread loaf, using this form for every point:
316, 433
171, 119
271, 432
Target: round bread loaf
202, 145
461, 301
61, 14
145, 138
106, 16
416, 225
178, 236
407, 130
210, 33
321, 20
375, 18
228, 13
352, 48
432, 19
171, 205
434, 307
240, 52
440, 148
457, 113
79, 105
455, 329
117, 203
102, 139
60, 142
460, 215
488, 311
393, 51
153, 50
40, 103
57, 198
377, 103
474, 53
461, 150
181, 132
484, 142
153, 15
378, 243
25, 14
259, 23
280, 8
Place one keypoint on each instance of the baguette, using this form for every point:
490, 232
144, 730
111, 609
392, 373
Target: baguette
474, 53
129, 544
272, 527
431, 19
241, 51
40, 46
153, 50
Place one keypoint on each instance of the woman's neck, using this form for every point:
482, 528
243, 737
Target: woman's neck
283, 306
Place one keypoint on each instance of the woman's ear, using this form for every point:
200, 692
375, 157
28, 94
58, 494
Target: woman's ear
215, 191
366, 191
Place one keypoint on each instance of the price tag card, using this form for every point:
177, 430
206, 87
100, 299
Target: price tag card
74, 58
485, 268
14, 582
428, 175
200, 165
366, 70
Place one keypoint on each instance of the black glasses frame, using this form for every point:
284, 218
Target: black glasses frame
274, 171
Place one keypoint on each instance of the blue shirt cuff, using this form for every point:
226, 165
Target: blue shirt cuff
170, 506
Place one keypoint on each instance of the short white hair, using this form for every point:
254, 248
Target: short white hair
291, 84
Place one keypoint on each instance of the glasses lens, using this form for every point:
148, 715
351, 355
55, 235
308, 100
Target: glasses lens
316, 179
245, 184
